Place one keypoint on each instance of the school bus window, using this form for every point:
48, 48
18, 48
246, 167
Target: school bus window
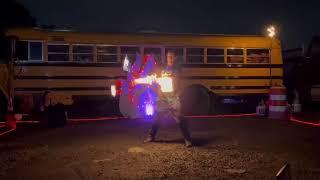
35, 51
178, 54
29, 50
107, 54
22, 48
215, 55
58, 52
235, 56
258, 56
130, 51
156, 52
195, 55
82, 53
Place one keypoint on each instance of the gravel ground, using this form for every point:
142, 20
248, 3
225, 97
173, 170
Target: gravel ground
225, 148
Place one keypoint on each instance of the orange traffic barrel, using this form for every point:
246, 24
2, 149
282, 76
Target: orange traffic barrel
278, 105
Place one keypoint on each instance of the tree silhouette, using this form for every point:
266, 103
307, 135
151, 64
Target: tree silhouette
12, 14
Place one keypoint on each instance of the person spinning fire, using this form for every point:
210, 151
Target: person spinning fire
168, 104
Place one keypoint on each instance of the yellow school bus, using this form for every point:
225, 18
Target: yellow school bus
77, 68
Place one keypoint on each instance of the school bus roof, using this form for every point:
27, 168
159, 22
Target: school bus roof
143, 38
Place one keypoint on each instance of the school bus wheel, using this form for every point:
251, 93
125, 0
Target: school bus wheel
195, 100
213, 102
56, 115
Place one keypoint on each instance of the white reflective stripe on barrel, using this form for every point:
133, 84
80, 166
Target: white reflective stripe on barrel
278, 108
278, 97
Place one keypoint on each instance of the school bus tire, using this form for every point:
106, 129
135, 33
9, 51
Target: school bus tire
213, 102
56, 116
195, 100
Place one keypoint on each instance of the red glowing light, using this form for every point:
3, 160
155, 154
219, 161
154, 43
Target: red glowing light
201, 116
6, 132
95, 119
304, 122
28, 122
222, 115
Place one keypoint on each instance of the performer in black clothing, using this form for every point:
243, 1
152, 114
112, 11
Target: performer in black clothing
168, 104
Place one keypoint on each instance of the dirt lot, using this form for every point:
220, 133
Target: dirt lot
225, 148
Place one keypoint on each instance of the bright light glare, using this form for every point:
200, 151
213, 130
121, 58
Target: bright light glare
18, 117
271, 31
113, 90
165, 84
149, 110
126, 62
146, 80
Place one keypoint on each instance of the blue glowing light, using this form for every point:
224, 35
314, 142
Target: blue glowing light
143, 97
147, 101
149, 110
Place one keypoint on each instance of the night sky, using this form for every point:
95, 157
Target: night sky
297, 20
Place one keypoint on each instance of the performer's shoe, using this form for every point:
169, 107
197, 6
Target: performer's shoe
188, 143
149, 139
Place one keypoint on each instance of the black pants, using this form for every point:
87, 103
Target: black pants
180, 120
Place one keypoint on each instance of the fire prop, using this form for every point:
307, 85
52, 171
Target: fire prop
165, 82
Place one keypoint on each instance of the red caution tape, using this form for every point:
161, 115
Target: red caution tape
6, 132
95, 119
222, 115
28, 122
304, 122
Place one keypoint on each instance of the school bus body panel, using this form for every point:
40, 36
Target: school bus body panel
148, 39
52, 71
228, 72
63, 83
73, 80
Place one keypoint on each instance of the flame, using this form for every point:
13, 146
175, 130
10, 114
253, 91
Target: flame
166, 84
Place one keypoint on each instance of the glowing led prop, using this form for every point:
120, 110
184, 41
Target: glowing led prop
149, 109
126, 63
113, 90
146, 80
165, 82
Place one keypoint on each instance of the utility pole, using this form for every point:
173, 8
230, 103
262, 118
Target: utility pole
10, 67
